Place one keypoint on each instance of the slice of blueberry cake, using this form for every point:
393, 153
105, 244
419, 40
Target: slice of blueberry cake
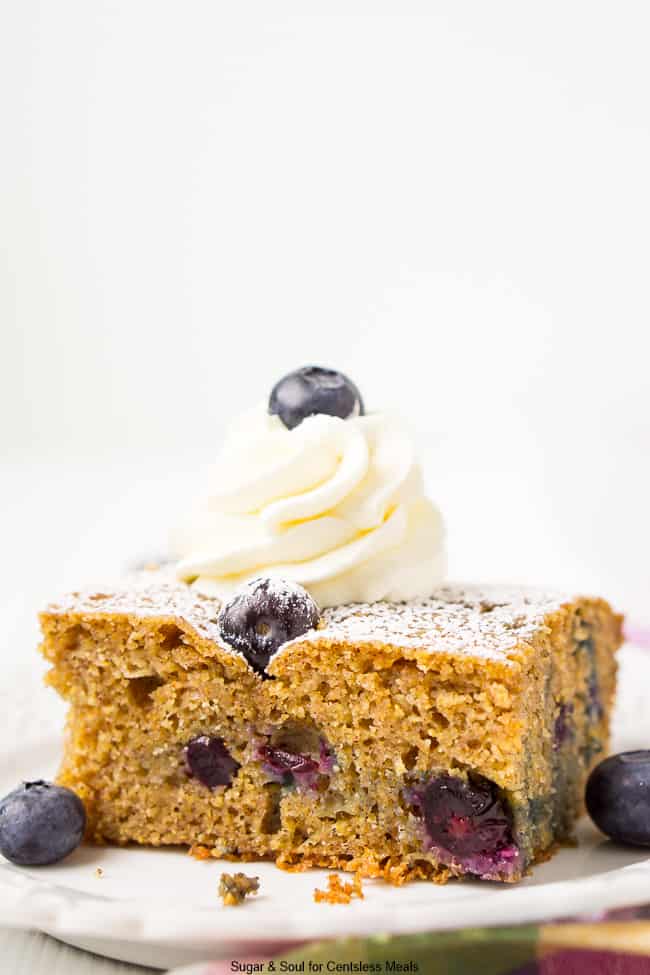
298, 685
431, 738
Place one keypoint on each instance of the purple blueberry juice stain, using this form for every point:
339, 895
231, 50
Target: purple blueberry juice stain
280, 762
563, 727
208, 760
594, 704
468, 825
290, 767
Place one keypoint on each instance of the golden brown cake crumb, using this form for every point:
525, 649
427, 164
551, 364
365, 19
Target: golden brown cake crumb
99, 872
199, 852
234, 888
339, 892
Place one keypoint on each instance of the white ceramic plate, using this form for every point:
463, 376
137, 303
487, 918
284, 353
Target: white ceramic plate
161, 908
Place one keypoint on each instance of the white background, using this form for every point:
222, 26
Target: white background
448, 200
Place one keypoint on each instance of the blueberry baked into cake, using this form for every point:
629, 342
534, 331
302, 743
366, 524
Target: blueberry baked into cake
300, 684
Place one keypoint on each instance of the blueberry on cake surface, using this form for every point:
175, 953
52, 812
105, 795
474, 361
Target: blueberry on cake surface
298, 684
264, 615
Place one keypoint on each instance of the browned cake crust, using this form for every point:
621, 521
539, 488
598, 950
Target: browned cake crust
338, 761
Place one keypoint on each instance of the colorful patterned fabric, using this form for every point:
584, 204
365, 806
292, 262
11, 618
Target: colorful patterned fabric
617, 943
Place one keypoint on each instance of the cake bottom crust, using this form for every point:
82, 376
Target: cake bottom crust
396, 871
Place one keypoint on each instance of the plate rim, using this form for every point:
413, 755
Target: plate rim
62, 910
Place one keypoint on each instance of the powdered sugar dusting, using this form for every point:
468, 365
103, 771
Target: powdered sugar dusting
485, 621
473, 620
283, 591
146, 594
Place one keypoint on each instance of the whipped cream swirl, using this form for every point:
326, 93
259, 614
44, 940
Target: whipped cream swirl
335, 505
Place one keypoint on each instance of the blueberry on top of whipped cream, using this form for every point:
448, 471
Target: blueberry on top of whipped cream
312, 489
311, 390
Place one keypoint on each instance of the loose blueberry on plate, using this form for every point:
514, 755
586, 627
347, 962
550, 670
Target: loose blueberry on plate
618, 797
265, 614
312, 390
208, 760
40, 823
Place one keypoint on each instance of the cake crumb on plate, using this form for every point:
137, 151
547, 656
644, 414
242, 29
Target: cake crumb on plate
339, 892
234, 888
